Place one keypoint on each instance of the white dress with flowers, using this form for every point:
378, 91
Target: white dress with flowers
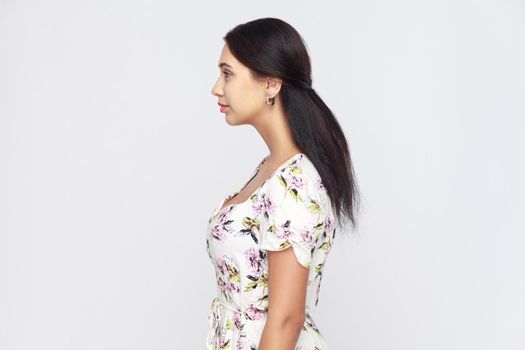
290, 208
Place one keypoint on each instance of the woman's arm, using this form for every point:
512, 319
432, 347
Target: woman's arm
287, 282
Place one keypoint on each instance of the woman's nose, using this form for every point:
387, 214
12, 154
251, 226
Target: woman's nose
216, 90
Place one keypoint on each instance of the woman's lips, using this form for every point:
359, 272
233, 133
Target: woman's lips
223, 107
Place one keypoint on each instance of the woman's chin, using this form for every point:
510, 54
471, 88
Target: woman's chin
231, 120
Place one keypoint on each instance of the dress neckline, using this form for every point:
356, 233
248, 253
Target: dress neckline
284, 164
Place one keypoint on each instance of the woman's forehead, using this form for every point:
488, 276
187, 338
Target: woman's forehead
227, 59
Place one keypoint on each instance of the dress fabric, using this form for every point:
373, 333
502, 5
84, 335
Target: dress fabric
290, 208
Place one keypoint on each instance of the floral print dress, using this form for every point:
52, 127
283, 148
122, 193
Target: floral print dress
290, 208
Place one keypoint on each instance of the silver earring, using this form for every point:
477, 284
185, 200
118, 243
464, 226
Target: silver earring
268, 103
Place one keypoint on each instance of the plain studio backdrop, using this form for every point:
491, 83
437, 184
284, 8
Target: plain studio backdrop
113, 155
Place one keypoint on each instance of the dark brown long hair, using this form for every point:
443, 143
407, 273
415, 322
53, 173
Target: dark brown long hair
270, 47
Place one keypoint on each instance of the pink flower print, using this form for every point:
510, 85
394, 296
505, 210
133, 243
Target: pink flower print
259, 205
269, 206
282, 232
232, 287
329, 224
296, 182
222, 340
222, 227
218, 233
307, 238
228, 276
241, 342
254, 313
221, 265
254, 261
237, 320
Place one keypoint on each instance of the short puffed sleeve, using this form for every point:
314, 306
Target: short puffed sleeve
291, 214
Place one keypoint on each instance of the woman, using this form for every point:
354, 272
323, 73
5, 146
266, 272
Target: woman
266, 292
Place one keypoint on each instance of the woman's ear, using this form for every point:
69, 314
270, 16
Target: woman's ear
273, 86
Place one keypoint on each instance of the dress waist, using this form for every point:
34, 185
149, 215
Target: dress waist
216, 321
236, 308
228, 305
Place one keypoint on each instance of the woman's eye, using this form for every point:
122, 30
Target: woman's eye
226, 73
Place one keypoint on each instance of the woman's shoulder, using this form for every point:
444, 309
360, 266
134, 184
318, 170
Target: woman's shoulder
299, 176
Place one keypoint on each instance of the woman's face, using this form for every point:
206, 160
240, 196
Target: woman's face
236, 88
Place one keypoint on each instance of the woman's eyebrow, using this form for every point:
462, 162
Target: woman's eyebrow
222, 64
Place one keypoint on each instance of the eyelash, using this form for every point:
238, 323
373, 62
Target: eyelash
225, 72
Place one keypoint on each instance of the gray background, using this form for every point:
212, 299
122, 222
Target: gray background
113, 154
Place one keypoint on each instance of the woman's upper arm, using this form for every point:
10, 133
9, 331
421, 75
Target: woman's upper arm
287, 284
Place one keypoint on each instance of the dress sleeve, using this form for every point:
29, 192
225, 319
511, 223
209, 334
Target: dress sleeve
292, 214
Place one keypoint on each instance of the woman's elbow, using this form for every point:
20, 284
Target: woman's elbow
294, 321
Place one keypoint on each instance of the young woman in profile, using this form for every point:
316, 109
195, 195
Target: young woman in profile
295, 198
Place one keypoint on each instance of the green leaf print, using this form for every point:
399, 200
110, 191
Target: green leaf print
295, 194
282, 181
314, 207
250, 286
